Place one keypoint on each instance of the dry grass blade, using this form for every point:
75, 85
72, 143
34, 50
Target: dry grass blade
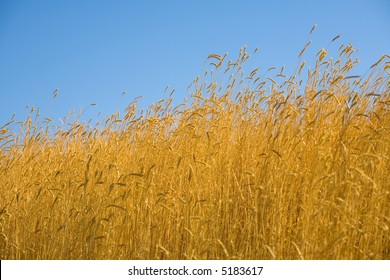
304, 49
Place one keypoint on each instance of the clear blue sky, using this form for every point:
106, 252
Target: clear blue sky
92, 51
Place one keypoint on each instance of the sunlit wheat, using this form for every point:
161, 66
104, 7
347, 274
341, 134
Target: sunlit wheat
256, 164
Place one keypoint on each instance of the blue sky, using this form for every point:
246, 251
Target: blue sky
93, 51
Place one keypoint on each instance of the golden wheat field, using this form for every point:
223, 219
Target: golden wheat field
252, 165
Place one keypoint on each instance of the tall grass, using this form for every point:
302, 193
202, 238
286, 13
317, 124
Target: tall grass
255, 165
